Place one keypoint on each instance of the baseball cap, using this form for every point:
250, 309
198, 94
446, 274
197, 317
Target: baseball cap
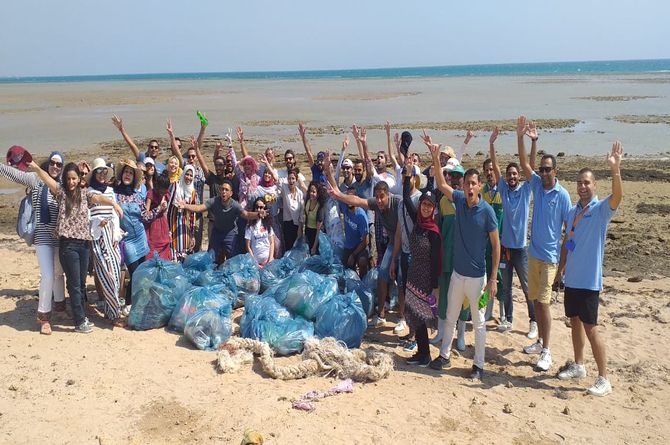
347, 163
430, 196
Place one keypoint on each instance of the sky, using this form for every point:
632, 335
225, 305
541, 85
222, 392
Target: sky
80, 37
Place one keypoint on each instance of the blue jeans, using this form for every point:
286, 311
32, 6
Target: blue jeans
518, 261
385, 264
73, 254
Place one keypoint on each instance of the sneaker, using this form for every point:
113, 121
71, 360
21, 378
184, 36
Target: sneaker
505, 326
378, 321
404, 339
544, 363
532, 331
477, 373
401, 326
574, 371
410, 346
440, 363
85, 327
601, 387
421, 360
126, 310
535, 348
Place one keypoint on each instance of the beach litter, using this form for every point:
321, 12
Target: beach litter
306, 402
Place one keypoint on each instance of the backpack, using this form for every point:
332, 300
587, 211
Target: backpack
25, 222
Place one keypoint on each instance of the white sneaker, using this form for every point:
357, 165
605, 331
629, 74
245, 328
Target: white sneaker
126, 310
544, 363
601, 387
574, 371
378, 321
532, 332
401, 326
504, 326
535, 348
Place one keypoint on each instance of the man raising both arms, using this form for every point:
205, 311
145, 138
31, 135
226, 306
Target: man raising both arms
582, 255
550, 212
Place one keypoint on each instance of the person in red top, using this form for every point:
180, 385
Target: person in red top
158, 228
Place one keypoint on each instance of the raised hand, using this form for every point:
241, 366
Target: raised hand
387, 127
218, 147
228, 137
494, 135
531, 130
118, 122
240, 134
326, 159
355, 132
168, 126
521, 126
363, 137
433, 148
194, 142
345, 143
263, 159
468, 136
301, 130
396, 141
614, 157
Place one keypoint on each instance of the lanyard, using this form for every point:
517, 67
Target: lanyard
577, 219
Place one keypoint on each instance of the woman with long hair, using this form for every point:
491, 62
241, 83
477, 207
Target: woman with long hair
157, 225
150, 174
259, 235
315, 206
106, 235
73, 231
45, 207
173, 169
135, 245
182, 222
268, 189
293, 204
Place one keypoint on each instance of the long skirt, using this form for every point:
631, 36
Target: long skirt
107, 266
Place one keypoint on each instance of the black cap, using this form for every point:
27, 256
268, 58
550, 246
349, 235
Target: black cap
430, 196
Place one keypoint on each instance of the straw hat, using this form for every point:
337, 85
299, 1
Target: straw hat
98, 163
132, 164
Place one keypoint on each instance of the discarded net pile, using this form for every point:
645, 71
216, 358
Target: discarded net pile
321, 357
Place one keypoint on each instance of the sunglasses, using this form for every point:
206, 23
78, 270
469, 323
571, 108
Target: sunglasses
191, 156
346, 168
545, 169
260, 207
56, 164
219, 165
154, 146
288, 159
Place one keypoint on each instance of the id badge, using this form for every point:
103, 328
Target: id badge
570, 245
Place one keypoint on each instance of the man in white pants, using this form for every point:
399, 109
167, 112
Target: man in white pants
475, 225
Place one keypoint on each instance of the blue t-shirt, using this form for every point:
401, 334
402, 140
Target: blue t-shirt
355, 227
318, 175
516, 205
584, 264
471, 234
550, 211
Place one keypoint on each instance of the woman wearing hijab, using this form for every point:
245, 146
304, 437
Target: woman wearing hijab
135, 246
268, 190
105, 234
157, 225
173, 169
424, 270
45, 207
182, 222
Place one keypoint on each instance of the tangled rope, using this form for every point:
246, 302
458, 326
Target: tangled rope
319, 357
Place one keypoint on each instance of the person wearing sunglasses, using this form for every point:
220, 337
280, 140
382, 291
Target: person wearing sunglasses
551, 204
259, 235
45, 207
153, 149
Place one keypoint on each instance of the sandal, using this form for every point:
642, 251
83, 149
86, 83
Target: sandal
45, 327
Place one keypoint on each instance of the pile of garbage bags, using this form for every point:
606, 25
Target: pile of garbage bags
287, 301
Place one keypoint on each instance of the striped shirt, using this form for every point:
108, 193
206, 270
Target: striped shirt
102, 212
44, 233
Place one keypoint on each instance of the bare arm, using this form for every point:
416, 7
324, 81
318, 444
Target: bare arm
363, 139
305, 143
495, 262
359, 145
492, 154
396, 251
103, 200
118, 123
328, 169
264, 160
201, 134
345, 144
439, 177
461, 151
351, 200
173, 142
614, 161
531, 132
523, 160
201, 159
398, 143
45, 177
389, 144
240, 137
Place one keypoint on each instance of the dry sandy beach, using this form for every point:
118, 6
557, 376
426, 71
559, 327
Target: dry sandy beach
120, 386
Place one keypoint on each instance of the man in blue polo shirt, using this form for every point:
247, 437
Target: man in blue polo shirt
475, 225
515, 199
581, 262
551, 204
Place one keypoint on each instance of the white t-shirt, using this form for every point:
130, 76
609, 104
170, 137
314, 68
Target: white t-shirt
293, 205
260, 240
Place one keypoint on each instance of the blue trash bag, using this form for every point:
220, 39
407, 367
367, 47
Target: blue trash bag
299, 252
317, 264
244, 271
325, 248
367, 291
342, 317
276, 271
238, 263
157, 286
193, 300
206, 277
266, 320
199, 261
307, 291
209, 327
278, 291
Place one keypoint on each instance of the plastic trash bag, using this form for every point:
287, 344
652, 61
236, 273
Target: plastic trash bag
206, 277
299, 253
367, 291
209, 327
307, 291
195, 299
238, 263
266, 320
326, 249
278, 291
157, 286
342, 317
276, 271
244, 271
199, 261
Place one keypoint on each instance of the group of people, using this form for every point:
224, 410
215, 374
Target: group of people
449, 238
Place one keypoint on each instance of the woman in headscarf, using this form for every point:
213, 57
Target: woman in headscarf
424, 270
157, 226
174, 169
182, 222
135, 245
106, 235
45, 207
268, 190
